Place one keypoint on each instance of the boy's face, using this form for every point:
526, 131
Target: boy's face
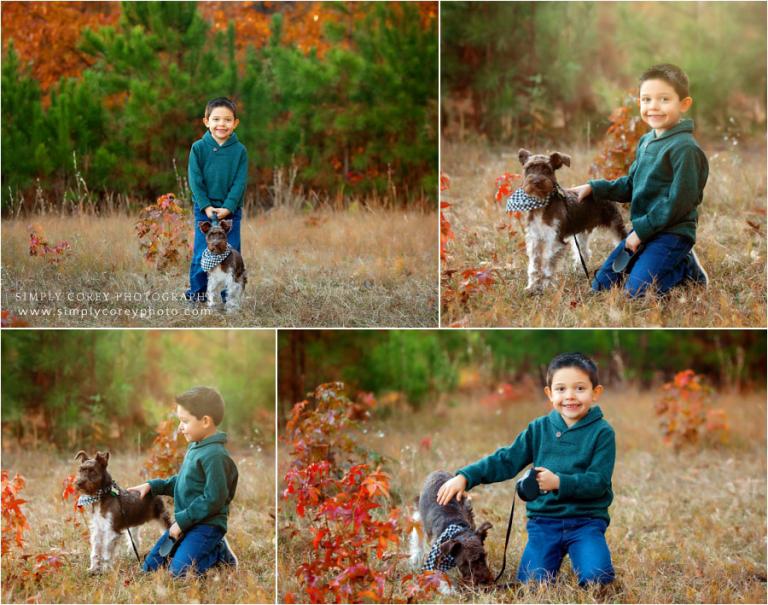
221, 123
572, 393
660, 105
193, 428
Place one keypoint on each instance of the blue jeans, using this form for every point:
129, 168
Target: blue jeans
662, 260
581, 538
198, 279
200, 545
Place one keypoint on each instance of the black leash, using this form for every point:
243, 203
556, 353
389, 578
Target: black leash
561, 193
506, 540
122, 513
581, 258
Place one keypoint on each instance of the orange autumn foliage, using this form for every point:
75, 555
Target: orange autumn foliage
46, 34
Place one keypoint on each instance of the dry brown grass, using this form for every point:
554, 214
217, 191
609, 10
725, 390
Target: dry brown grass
251, 535
733, 252
684, 529
353, 268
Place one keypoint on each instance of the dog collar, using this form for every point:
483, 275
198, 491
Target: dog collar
520, 201
436, 560
210, 260
83, 501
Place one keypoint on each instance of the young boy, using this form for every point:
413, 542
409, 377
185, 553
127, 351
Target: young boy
218, 173
202, 489
574, 450
665, 185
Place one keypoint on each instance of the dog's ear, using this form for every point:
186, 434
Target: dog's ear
482, 531
451, 547
226, 225
205, 226
81, 456
523, 156
102, 458
558, 159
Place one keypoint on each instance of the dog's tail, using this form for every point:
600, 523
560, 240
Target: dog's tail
416, 541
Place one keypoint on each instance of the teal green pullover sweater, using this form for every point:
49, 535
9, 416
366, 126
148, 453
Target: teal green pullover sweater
217, 173
204, 486
665, 183
582, 456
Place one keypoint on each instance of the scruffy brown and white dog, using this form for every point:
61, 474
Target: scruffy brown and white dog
224, 265
559, 216
112, 509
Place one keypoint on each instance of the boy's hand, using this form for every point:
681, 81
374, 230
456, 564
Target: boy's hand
174, 531
547, 480
210, 211
143, 489
222, 213
582, 191
632, 242
451, 488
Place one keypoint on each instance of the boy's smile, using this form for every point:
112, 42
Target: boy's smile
221, 123
661, 106
572, 393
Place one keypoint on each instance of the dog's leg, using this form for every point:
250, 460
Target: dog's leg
234, 292
95, 546
583, 239
445, 588
553, 251
532, 246
111, 540
211, 291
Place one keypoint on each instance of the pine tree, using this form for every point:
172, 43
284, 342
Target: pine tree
24, 153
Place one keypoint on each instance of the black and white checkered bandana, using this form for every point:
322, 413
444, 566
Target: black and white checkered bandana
210, 260
83, 501
520, 201
437, 561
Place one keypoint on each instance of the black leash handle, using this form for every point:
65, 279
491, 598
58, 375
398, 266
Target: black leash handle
506, 540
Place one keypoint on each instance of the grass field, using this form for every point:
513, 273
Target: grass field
251, 535
687, 528
731, 244
325, 269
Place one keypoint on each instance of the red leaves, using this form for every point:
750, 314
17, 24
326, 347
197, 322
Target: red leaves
14, 521
163, 232
340, 502
39, 246
617, 151
167, 451
685, 415
505, 185
9, 320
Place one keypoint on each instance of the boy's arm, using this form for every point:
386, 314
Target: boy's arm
237, 189
503, 464
619, 190
196, 181
688, 166
162, 487
593, 482
215, 493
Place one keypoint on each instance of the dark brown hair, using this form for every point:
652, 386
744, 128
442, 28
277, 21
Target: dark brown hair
671, 74
220, 102
203, 401
573, 360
